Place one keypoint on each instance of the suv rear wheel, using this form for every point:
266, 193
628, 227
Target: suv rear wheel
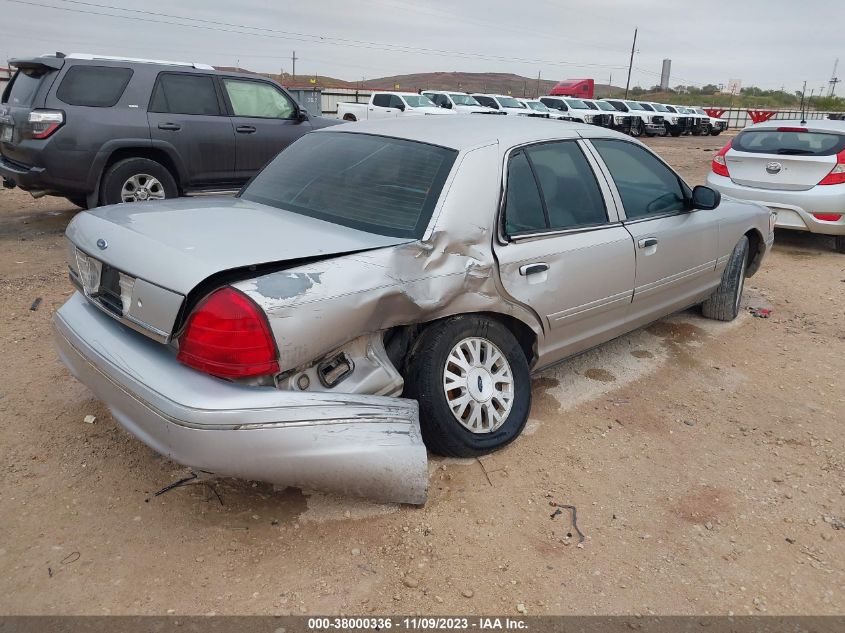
137, 180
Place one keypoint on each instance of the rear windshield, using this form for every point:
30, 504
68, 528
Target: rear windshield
21, 91
772, 141
377, 184
94, 86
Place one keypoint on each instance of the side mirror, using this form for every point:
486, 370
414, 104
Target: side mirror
302, 115
401, 107
705, 198
447, 105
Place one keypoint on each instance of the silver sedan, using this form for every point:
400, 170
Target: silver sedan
384, 287
797, 168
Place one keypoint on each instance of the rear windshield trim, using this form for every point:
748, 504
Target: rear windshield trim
426, 212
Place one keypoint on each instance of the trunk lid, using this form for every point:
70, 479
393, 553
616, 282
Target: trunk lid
786, 157
178, 243
138, 262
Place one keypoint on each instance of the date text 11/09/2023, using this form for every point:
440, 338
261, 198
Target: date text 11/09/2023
416, 623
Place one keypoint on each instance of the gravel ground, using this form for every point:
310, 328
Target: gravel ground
705, 459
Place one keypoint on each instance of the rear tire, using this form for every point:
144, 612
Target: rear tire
839, 243
715, 132
467, 371
723, 304
158, 183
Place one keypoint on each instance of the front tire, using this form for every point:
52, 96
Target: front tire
471, 379
723, 304
715, 132
137, 180
637, 129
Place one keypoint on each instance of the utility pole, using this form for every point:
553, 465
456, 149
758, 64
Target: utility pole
833, 78
609, 84
803, 92
631, 64
293, 59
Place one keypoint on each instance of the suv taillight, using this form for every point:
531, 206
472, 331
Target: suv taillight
719, 166
228, 335
43, 123
837, 174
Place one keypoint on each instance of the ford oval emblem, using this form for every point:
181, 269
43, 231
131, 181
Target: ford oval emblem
774, 167
102, 244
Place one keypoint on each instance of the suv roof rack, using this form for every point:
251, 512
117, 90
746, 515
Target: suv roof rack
90, 57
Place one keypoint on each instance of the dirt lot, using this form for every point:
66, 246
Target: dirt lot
705, 459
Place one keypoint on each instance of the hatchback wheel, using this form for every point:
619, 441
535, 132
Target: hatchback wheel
723, 305
137, 180
471, 379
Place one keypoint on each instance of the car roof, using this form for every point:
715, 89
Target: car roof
813, 125
462, 134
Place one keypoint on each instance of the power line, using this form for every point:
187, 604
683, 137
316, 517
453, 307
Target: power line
226, 27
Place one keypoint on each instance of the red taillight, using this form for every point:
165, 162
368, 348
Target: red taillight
228, 336
42, 123
719, 166
837, 174
827, 217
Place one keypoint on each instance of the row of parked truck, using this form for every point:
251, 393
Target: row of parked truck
636, 118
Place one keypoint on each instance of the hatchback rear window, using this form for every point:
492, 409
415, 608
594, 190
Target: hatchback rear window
371, 183
773, 141
21, 91
93, 86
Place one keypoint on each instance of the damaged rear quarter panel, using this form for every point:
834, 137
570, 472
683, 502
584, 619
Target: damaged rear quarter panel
316, 308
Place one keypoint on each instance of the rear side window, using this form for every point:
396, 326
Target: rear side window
21, 90
94, 86
179, 93
552, 187
381, 101
788, 143
381, 185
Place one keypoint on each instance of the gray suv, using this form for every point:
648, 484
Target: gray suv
103, 130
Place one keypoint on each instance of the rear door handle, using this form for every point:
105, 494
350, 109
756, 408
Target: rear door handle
647, 241
245, 129
174, 127
533, 269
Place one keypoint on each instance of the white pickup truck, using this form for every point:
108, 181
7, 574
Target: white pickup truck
389, 105
458, 102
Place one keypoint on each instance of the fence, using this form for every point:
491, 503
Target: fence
739, 118
336, 95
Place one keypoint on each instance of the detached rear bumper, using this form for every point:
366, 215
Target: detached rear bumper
368, 446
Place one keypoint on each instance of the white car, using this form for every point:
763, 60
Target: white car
458, 102
717, 124
650, 123
538, 109
615, 120
503, 103
796, 168
389, 105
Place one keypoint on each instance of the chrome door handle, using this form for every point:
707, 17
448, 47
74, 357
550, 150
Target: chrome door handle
533, 269
647, 241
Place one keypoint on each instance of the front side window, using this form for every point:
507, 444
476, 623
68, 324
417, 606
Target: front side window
564, 193
179, 93
646, 185
396, 102
488, 101
619, 106
93, 86
377, 184
557, 104
418, 101
258, 99
647, 107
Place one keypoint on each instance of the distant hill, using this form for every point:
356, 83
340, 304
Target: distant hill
500, 83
